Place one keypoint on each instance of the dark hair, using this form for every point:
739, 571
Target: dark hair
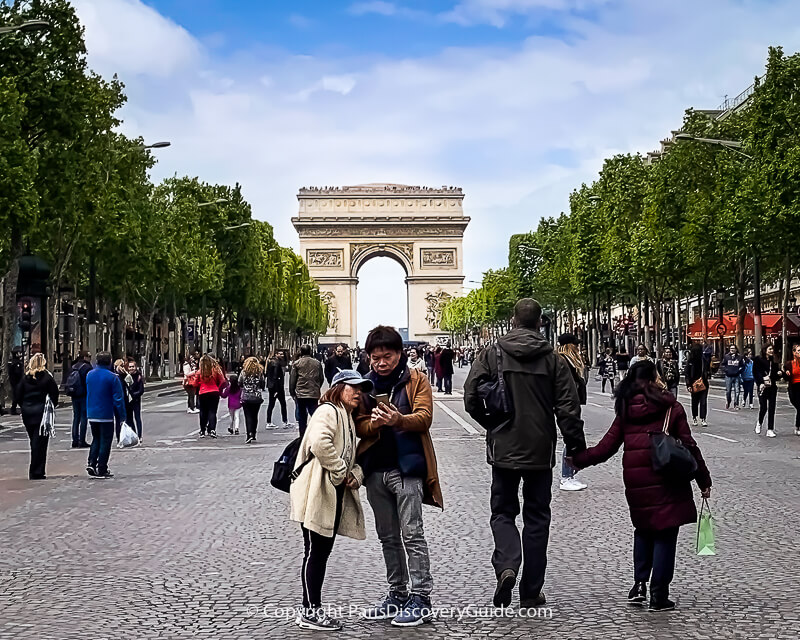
641, 379
233, 380
696, 353
305, 350
334, 395
528, 313
764, 350
103, 358
383, 337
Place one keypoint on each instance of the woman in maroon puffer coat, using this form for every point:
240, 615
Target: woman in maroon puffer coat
659, 507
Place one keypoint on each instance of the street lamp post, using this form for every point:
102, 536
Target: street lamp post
28, 26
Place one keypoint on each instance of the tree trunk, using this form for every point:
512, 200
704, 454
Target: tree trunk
76, 330
741, 306
10, 282
704, 309
217, 333
646, 320
52, 325
758, 333
787, 289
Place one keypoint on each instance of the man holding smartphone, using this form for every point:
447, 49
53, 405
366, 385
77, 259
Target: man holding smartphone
399, 463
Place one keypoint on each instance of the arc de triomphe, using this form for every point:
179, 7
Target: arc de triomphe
341, 228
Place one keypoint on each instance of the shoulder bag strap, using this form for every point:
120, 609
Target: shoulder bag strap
666, 420
501, 379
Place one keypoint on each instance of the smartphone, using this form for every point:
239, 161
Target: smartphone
382, 398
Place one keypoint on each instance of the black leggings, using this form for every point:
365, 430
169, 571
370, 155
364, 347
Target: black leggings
251, 410
766, 403
317, 550
280, 395
700, 400
794, 398
611, 380
208, 411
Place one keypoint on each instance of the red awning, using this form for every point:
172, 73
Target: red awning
771, 325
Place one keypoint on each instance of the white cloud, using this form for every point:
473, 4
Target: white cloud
498, 12
128, 37
498, 121
377, 6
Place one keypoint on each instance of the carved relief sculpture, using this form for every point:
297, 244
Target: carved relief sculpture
325, 258
438, 257
358, 249
436, 301
329, 300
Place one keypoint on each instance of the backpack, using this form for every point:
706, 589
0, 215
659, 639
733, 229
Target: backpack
74, 386
493, 394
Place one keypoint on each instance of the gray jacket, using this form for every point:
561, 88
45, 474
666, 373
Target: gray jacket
542, 392
306, 378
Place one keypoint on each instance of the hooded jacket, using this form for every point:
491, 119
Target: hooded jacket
542, 392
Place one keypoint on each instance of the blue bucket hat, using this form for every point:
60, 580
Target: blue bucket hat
353, 378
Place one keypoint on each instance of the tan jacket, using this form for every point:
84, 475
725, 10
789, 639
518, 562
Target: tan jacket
420, 395
331, 437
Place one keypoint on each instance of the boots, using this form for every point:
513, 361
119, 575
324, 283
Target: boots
659, 598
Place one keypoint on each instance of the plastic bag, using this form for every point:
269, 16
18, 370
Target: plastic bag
705, 532
127, 436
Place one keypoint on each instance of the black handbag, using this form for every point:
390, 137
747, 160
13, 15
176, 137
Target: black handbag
283, 471
669, 457
493, 394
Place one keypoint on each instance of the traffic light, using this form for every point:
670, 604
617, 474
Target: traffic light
25, 316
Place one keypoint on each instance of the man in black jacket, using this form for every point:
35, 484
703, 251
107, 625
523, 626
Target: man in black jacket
83, 365
339, 361
542, 393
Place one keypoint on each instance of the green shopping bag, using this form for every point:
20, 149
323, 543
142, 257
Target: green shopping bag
705, 531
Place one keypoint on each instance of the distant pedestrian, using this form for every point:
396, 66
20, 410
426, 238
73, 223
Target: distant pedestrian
32, 392
105, 405
608, 371
430, 364
339, 361
363, 363
233, 394
305, 384
127, 380
446, 359
669, 371
543, 394
792, 372
324, 497
76, 390
135, 391
190, 383
623, 360
16, 371
732, 366
251, 380
210, 381
568, 349
415, 362
642, 354
658, 506
437, 365
748, 379
276, 385
767, 373
697, 383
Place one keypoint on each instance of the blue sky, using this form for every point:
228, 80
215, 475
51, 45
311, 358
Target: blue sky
516, 101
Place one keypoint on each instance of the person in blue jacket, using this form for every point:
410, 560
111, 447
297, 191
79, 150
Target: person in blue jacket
748, 380
105, 403
732, 366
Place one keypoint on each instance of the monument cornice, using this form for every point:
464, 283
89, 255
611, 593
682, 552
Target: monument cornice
380, 190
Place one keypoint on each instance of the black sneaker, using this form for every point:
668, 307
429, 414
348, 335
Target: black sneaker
202, 434
106, 476
387, 609
505, 588
317, 620
638, 595
230, 430
532, 603
91, 470
662, 605
212, 434
248, 441
76, 445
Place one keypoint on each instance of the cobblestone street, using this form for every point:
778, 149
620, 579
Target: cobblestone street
189, 540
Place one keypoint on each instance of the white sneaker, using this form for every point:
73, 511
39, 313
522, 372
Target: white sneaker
770, 433
797, 432
694, 422
572, 484
189, 411
751, 405
758, 428
703, 423
270, 425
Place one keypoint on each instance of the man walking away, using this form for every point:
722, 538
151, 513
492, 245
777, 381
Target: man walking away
339, 361
276, 388
430, 364
447, 358
105, 402
76, 389
399, 463
543, 392
305, 383
732, 366
16, 371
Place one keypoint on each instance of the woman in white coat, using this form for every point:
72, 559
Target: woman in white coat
324, 497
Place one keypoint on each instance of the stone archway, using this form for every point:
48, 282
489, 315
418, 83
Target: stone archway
341, 228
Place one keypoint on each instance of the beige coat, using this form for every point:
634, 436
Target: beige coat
331, 437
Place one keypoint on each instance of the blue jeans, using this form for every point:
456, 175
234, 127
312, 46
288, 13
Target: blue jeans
732, 388
747, 391
396, 502
306, 408
448, 383
102, 437
79, 422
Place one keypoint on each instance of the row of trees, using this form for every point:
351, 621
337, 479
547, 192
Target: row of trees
705, 217
77, 192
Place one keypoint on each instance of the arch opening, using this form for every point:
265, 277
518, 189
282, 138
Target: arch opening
382, 294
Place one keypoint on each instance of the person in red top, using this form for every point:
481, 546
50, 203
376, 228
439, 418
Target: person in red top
658, 506
210, 381
792, 372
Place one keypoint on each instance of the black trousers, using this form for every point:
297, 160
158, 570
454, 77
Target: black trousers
316, 551
209, 402
305, 409
280, 395
251, 410
508, 549
794, 398
603, 385
38, 451
700, 401
766, 405
654, 559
